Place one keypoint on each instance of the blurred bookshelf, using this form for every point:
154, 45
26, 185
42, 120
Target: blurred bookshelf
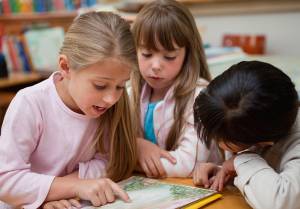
237, 7
224, 7
21, 21
19, 79
15, 23
29, 31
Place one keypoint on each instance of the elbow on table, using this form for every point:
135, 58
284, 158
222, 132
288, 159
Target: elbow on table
183, 171
286, 196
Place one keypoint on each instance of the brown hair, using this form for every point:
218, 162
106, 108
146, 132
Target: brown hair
92, 37
167, 22
249, 103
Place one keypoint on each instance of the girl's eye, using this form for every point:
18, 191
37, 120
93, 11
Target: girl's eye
98, 87
120, 87
147, 55
170, 57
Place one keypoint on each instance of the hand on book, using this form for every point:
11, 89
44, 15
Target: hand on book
149, 155
100, 191
224, 174
62, 204
204, 174
213, 176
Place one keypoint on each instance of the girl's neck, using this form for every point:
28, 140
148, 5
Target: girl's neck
158, 94
61, 88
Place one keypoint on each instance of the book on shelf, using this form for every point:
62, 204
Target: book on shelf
219, 55
43, 47
35, 50
29, 6
149, 193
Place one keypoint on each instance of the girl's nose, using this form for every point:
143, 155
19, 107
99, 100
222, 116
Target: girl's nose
111, 98
156, 64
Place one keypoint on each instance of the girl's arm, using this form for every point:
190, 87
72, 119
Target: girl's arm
94, 168
20, 185
263, 187
19, 138
63, 187
98, 191
149, 159
188, 151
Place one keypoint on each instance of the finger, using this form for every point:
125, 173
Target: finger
119, 192
211, 180
110, 197
204, 178
146, 169
95, 200
102, 197
75, 203
152, 168
168, 156
59, 205
215, 184
66, 203
48, 206
196, 177
221, 182
159, 167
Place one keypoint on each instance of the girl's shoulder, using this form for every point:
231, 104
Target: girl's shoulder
38, 93
201, 84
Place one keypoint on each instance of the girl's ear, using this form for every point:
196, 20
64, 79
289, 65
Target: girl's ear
64, 67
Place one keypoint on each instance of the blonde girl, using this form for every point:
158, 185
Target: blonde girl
61, 137
173, 70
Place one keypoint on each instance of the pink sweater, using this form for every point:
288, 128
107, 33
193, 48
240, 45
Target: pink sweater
190, 149
42, 138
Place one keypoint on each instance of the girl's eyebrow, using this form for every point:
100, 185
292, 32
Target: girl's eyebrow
142, 46
163, 50
108, 78
172, 51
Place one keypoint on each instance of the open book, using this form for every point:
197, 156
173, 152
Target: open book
146, 193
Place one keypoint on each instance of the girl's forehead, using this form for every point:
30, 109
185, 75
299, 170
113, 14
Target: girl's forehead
232, 147
157, 41
157, 46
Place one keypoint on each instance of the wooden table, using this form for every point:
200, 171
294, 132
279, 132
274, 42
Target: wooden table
232, 198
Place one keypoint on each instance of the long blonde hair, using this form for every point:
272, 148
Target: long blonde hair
92, 37
165, 22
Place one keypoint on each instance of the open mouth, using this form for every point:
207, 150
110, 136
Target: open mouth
155, 78
99, 109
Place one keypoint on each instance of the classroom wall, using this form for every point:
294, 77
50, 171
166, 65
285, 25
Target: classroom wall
282, 30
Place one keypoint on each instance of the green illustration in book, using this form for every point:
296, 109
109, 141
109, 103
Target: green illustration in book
148, 193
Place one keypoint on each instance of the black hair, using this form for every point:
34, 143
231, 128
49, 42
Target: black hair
251, 102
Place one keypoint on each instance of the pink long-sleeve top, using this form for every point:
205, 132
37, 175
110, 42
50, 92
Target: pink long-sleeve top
42, 138
190, 149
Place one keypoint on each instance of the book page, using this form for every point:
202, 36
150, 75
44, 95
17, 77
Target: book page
153, 194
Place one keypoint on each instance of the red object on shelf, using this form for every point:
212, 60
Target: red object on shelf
251, 44
231, 40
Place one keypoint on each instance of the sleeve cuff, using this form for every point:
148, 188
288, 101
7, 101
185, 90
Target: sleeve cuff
181, 169
43, 192
92, 170
246, 165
